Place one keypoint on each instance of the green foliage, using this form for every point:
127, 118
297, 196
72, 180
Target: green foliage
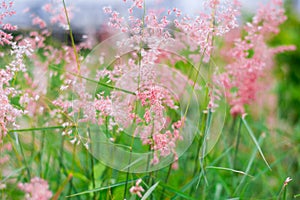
248, 162
288, 70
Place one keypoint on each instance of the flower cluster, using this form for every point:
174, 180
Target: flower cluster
199, 30
141, 72
6, 11
37, 189
138, 91
8, 113
251, 57
35, 47
57, 13
164, 143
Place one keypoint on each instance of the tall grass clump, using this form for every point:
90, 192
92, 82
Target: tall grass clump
169, 106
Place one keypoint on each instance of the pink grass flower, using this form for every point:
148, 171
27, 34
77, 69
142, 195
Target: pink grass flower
37, 189
251, 58
8, 113
6, 11
38, 21
57, 13
137, 189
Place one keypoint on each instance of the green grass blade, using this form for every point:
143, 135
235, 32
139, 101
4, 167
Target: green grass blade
250, 163
19, 143
255, 141
149, 192
15, 172
177, 192
72, 37
98, 82
206, 135
228, 169
101, 188
188, 185
297, 195
39, 129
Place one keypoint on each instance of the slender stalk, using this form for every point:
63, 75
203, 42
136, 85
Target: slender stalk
200, 142
74, 155
67, 174
41, 154
250, 163
129, 161
96, 82
139, 79
284, 189
130, 157
92, 166
32, 143
60, 189
255, 142
166, 181
72, 38
237, 144
206, 134
25, 162
38, 129
197, 157
194, 84
60, 160
73, 165
93, 175
126, 185
148, 159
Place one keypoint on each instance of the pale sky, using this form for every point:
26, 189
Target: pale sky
89, 12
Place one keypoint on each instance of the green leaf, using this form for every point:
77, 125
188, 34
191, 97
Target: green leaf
297, 195
98, 170
149, 192
228, 169
178, 192
188, 185
39, 129
255, 141
15, 172
78, 175
101, 188
250, 163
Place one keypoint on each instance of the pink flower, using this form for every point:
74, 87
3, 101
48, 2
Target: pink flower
38, 21
286, 182
163, 143
250, 58
147, 116
9, 27
37, 189
137, 189
57, 13
6, 11
47, 7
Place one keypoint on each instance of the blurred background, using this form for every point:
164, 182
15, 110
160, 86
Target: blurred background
88, 21
89, 16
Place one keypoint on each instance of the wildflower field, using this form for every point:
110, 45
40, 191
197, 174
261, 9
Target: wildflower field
161, 104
